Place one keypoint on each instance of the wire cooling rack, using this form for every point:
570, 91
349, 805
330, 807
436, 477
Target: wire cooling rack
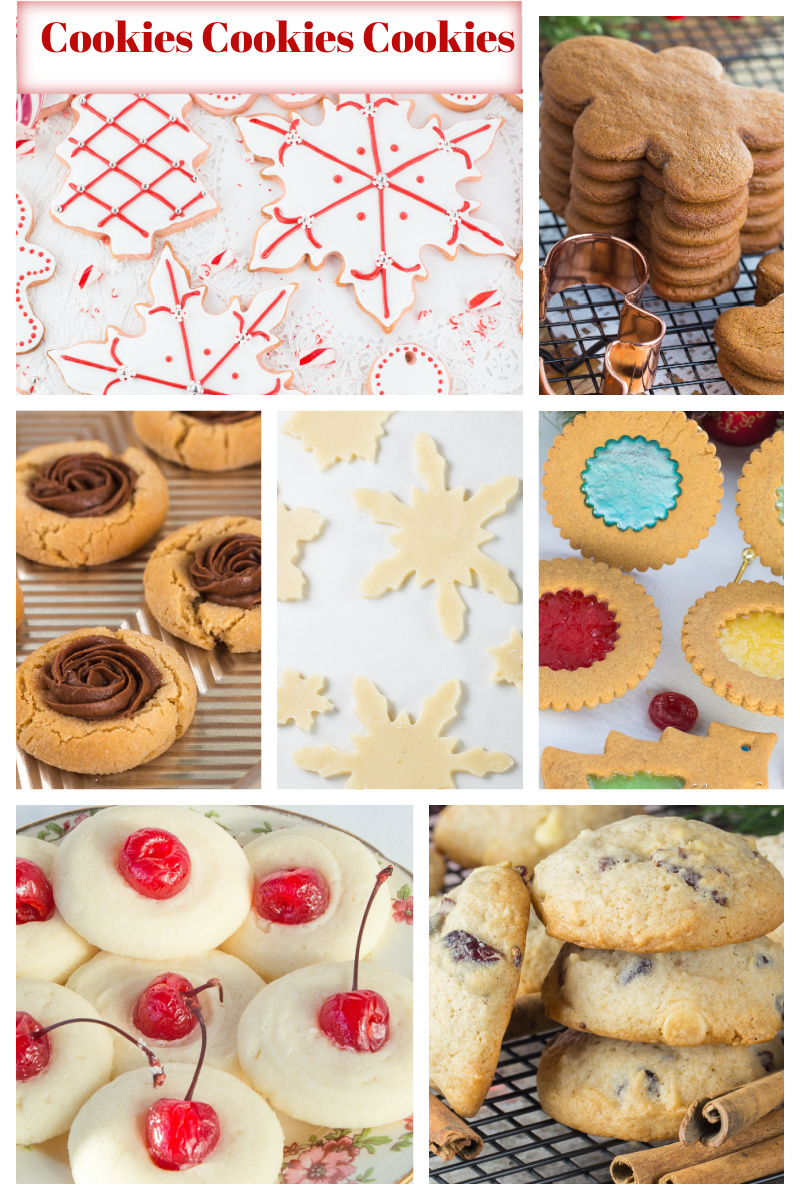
583, 320
521, 1144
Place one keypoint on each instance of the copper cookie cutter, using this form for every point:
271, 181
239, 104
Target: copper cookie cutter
599, 260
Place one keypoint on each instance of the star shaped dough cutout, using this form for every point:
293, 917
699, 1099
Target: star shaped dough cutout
439, 538
338, 436
402, 753
508, 661
300, 698
294, 526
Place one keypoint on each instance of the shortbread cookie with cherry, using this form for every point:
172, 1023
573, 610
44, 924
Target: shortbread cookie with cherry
57, 1071
150, 881
144, 998
311, 886
47, 948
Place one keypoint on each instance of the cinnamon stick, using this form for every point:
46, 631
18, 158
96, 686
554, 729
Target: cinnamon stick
448, 1135
766, 1158
648, 1166
714, 1119
528, 1016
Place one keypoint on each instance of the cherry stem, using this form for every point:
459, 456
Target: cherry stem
190, 999
380, 879
155, 1065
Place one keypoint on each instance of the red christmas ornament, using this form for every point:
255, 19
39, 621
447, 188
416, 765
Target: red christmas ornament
740, 428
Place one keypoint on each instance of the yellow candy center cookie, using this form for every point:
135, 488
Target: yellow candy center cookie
754, 642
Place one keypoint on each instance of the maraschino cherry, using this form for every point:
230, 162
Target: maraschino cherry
357, 1020
155, 863
292, 897
33, 1055
161, 1012
34, 894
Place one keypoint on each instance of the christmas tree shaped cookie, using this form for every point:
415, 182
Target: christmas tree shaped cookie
759, 502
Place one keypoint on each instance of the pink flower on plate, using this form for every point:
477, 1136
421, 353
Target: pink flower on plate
403, 910
328, 1162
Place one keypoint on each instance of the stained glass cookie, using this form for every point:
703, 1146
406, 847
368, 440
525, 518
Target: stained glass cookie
637, 490
759, 502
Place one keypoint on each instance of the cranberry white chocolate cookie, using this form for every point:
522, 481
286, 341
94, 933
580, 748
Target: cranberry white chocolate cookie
666, 997
46, 946
772, 848
58, 1072
152, 881
541, 952
476, 946
651, 884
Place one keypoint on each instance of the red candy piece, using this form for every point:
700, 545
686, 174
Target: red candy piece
33, 1054
155, 863
672, 710
574, 630
292, 897
355, 1020
161, 1012
180, 1133
34, 894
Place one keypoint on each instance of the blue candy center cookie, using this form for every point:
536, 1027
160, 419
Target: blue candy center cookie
631, 483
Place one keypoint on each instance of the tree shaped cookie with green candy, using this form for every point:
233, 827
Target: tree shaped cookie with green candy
338, 436
402, 753
759, 502
299, 699
726, 758
440, 537
294, 526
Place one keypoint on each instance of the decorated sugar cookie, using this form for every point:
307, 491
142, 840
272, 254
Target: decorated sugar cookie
225, 105
725, 758
338, 436
183, 349
408, 370
599, 634
759, 502
634, 489
54, 102
401, 752
733, 639
294, 526
463, 101
34, 265
369, 187
132, 163
295, 99
508, 661
300, 699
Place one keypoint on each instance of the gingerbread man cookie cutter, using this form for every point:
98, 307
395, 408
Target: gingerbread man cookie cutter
599, 260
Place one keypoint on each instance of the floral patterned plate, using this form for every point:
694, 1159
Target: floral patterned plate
312, 1154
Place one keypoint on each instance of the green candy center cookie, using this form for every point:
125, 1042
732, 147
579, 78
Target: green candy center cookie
641, 779
631, 483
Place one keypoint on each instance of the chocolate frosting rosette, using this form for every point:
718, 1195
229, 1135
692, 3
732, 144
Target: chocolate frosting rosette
229, 571
83, 485
99, 679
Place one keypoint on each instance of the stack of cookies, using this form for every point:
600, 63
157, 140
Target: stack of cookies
667, 983
657, 149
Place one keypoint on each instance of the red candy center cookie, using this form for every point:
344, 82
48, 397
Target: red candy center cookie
574, 630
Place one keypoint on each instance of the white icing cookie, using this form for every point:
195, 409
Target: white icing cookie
132, 177
225, 105
348, 868
369, 187
302, 1073
408, 370
107, 1141
299, 699
508, 661
47, 949
97, 901
463, 101
338, 436
113, 984
295, 99
80, 1062
184, 349
294, 526
34, 265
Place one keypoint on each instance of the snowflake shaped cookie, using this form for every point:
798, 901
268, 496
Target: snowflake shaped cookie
439, 539
366, 185
300, 698
402, 753
294, 526
183, 348
338, 436
132, 170
34, 265
508, 661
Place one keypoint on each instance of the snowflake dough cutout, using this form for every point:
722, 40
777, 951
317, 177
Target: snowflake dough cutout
402, 753
338, 436
300, 698
366, 185
508, 661
183, 348
439, 539
132, 171
294, 526
34, 265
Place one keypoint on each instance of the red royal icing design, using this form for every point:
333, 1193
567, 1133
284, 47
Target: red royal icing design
34, 265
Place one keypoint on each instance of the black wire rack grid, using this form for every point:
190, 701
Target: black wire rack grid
583, 320
521, 1144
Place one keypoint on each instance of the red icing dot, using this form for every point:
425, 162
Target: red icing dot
361, 150
207, 351
394, 148
420, 179
361, 216
673, 709
337, 179
403, 216
574, 630
167, 358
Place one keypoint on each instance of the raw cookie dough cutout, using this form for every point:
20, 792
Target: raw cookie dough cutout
338, 436
508, 661
299, 699
294, 526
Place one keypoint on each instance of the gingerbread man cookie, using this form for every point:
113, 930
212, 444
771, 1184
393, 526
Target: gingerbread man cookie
750, 342
34, 265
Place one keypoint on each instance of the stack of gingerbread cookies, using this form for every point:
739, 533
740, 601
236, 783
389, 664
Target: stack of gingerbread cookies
659, 150
668, 985
750, 337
